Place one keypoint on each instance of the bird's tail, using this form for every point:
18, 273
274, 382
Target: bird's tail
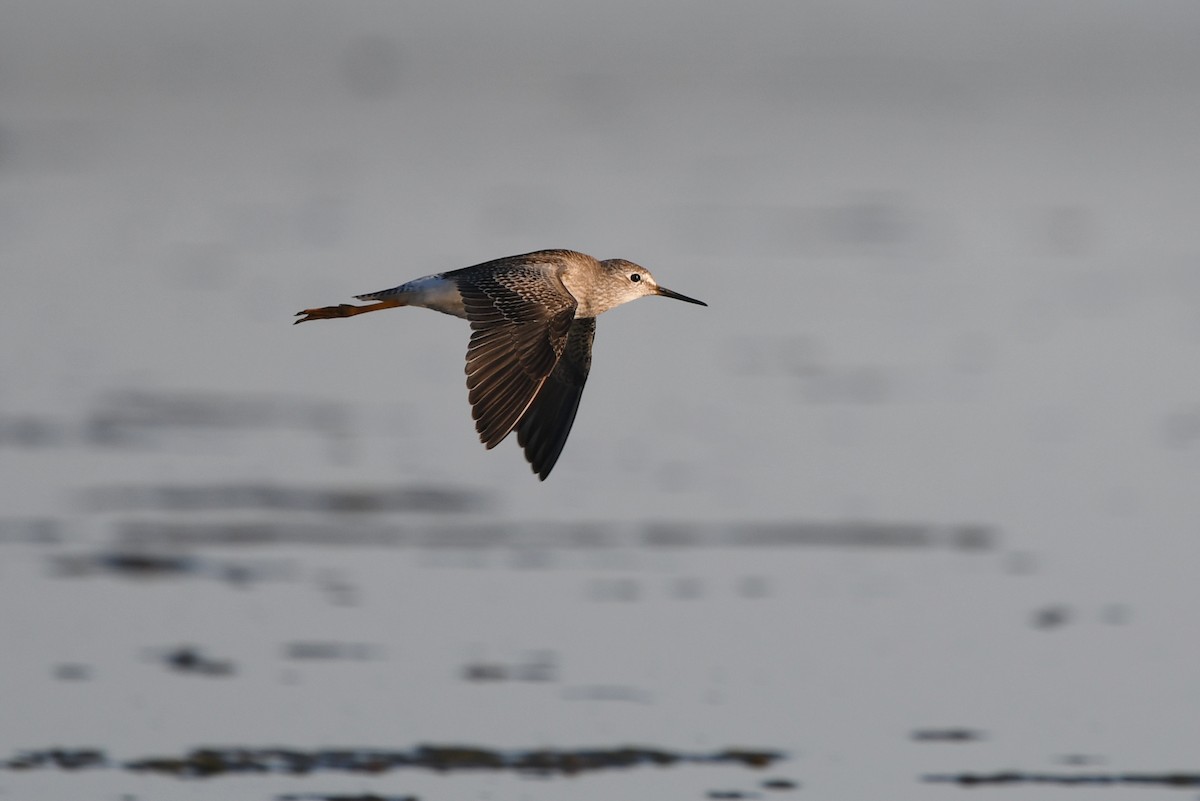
395, 294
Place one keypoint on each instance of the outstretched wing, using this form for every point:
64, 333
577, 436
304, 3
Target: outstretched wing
520, 314
543, 430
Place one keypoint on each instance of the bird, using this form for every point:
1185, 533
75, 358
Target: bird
533, 321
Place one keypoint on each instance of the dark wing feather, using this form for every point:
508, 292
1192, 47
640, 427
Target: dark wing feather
543, 430
520, 313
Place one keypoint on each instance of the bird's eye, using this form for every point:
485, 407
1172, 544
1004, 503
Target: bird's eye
635, 277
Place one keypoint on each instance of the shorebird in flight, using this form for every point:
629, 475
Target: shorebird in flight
533, 319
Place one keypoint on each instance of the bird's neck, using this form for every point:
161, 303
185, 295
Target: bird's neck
592, 297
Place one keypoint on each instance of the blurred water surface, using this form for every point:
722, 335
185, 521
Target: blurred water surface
913, 498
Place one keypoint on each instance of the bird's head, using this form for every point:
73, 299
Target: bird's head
628, 281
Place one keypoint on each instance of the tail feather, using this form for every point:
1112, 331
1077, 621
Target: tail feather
383, 294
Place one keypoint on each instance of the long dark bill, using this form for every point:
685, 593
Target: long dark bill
666, 293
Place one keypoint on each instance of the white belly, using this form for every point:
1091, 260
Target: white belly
435, 292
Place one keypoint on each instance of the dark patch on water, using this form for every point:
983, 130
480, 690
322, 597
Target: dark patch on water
852, 534
672, 535
1051, 617
546, 762
1080, 759
275, 497
621, 590
532, 543
827, 534
72, 671
29, 432
608, 692
753, 587
127, 564
328, 650
127, 416
769, 784
338, 590
972, 537
62, 758
191, 659
288, 533
139, 565
31, 531
780, 784
951, 735
481, 672
1012, 777
535, 667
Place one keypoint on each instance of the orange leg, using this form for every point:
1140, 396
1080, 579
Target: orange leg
343, 310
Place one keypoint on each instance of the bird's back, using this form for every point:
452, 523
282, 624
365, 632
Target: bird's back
528, 287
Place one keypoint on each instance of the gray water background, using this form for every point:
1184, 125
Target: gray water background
953, 264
